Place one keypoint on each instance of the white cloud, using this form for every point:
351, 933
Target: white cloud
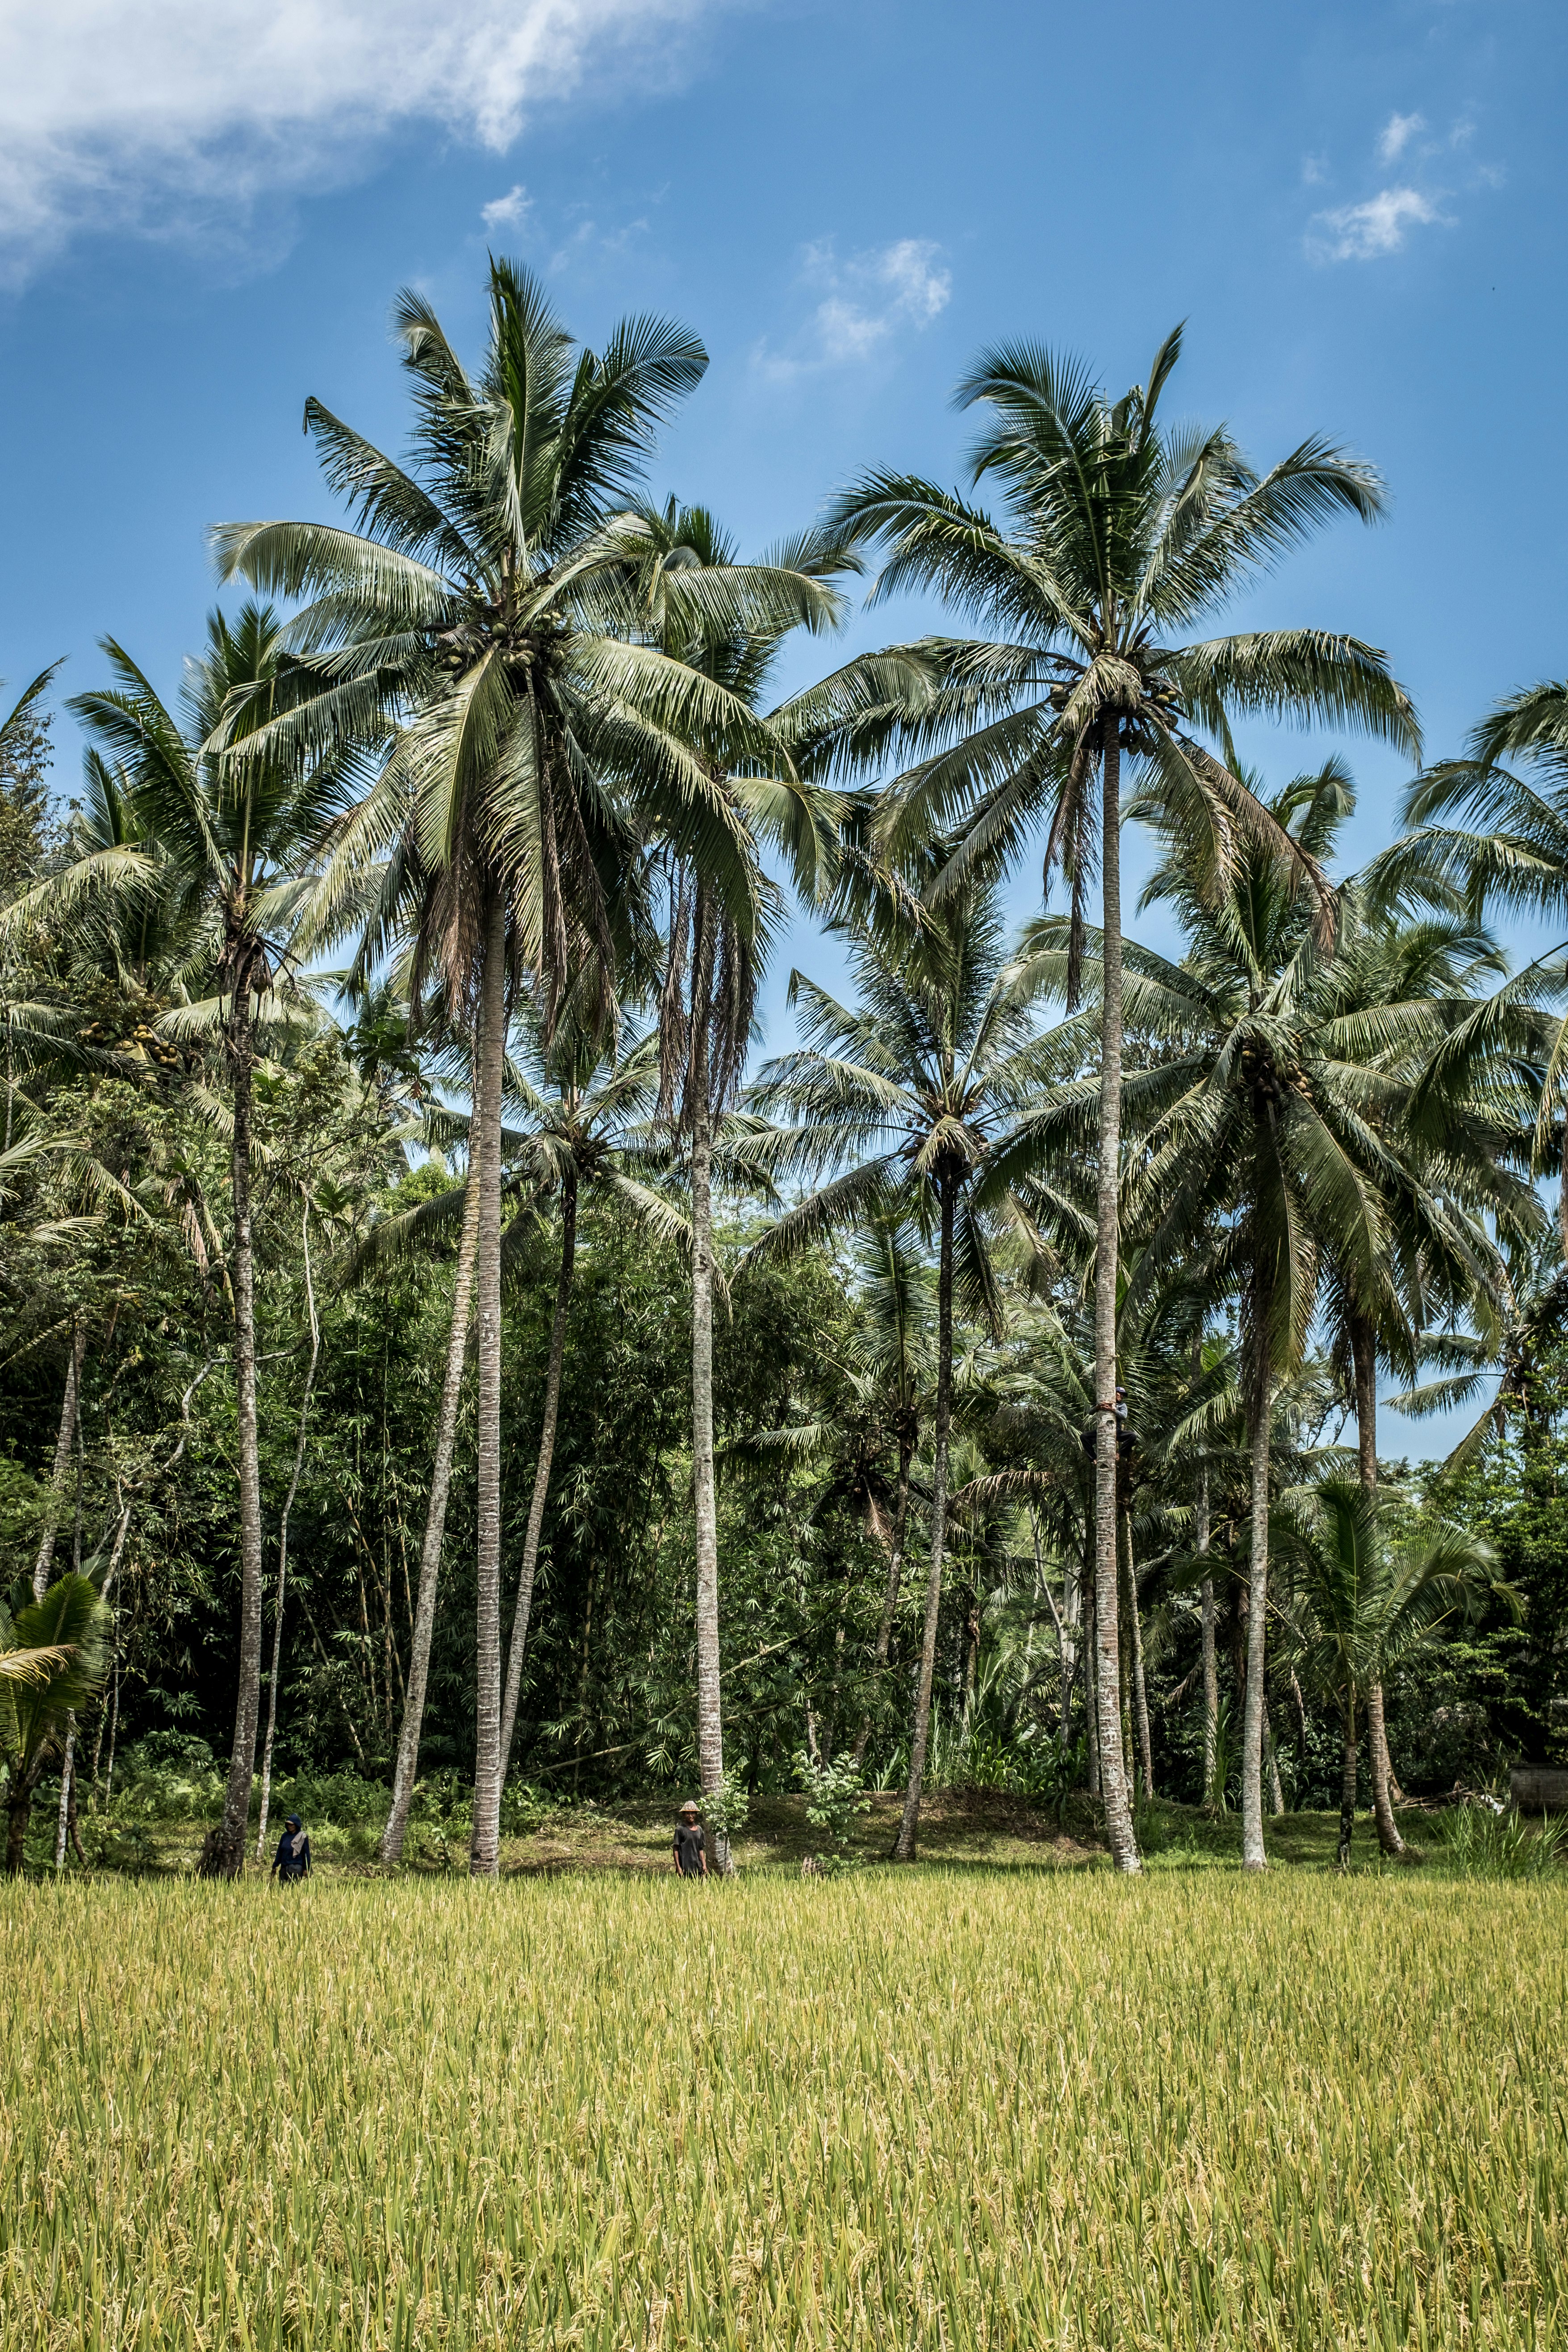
163, 113
1396, 135
1364, 232
510, 211
1314, 171
864, 301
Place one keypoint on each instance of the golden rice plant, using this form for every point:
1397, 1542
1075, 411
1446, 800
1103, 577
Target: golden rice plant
950, 2109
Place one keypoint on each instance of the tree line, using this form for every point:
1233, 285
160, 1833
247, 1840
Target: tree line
404, 1258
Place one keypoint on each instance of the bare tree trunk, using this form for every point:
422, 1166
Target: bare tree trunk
1252, 1850
225, 1856
1211, 1664
283, 1542
484, 1855
1363, 1350
704, 1497
67, 1782
407, 1766
1140, 1690
904, 1848
1107, 1631
65, 1443
890, 1596
1347, 1783
546, 1456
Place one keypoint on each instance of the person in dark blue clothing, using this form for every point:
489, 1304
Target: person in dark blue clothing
293, 1857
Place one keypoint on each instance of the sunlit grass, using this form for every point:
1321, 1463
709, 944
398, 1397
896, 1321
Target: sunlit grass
944, 2109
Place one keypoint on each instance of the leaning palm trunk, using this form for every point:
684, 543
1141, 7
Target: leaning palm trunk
1107, 1632
65, 1443
1363, 1351
904, 1850
227, 1858
1348, 1781
283, 1544
396, 1828
546, 1457
484, 1854
1252, 1853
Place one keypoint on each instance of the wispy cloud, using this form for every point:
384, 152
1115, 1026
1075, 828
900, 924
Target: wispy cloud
865, 299
1363, 232
1396, 135
510, 211
173, 112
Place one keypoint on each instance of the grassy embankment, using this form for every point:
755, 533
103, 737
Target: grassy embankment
987, 2107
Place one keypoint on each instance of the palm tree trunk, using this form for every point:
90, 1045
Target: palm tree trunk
1211, 1664
1091, 1688
546, 1456
1347, 1783
1363, 1350
407, 1766
65, 1443
484, 1854
1107, 1632
904, 1848
1252, 1854
283, 1544
705, 1507
228, 1858
890, 1596
1140, 1689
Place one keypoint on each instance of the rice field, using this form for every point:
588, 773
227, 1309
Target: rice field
953, 2108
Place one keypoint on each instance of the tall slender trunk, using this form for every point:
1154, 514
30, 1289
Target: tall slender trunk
1347, 1782
67, 1791
1211, 1664
407, 1764
1140, 1689
546, 1456
227, 1858
904, 1849
1259, 1415
65, 1443
1363, 1352
484, 1854
1091, 1690
704, 1498
890, 1595
283, 1542
1107, 1631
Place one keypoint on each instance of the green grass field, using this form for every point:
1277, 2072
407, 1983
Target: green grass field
985, 2105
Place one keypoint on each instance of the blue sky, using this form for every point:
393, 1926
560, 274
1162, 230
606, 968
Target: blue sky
205, 211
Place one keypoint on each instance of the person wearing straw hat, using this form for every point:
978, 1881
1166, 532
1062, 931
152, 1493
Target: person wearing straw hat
690, 1851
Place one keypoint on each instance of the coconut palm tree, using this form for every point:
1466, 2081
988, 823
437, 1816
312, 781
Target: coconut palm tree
479, 634
725, 622
1119, 537
1360, 1603
917, 1085
210, 841
1270, 1114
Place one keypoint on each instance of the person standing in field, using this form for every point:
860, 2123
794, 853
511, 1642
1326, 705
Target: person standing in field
293, 1860
689, 1850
